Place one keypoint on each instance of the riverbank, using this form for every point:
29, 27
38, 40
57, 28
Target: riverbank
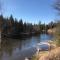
52, 54
51, 31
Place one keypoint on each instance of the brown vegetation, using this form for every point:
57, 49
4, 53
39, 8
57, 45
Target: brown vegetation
53, 54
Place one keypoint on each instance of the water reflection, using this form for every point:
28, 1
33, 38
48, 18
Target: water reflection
13, 49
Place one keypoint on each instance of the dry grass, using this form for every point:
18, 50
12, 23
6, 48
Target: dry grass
54, 54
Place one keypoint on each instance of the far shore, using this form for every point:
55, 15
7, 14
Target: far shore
51, 31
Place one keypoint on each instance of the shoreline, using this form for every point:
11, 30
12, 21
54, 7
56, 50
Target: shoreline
46, 55
21, 35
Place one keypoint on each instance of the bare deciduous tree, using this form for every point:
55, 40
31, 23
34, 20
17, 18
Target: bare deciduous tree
57, 6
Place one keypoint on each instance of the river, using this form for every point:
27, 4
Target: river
18, 49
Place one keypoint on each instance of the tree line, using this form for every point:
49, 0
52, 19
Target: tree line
11, 25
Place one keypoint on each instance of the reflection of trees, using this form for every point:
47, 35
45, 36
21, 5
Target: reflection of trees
6, 46
37, 38
1, 55
9, 45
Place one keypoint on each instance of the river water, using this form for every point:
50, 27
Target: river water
18, 49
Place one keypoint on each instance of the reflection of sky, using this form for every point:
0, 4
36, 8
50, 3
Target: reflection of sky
29, 10
35, 39
45, 37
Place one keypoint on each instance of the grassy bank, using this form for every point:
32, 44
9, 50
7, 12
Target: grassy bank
53, 54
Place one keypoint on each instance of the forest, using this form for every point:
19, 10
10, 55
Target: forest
13, 26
